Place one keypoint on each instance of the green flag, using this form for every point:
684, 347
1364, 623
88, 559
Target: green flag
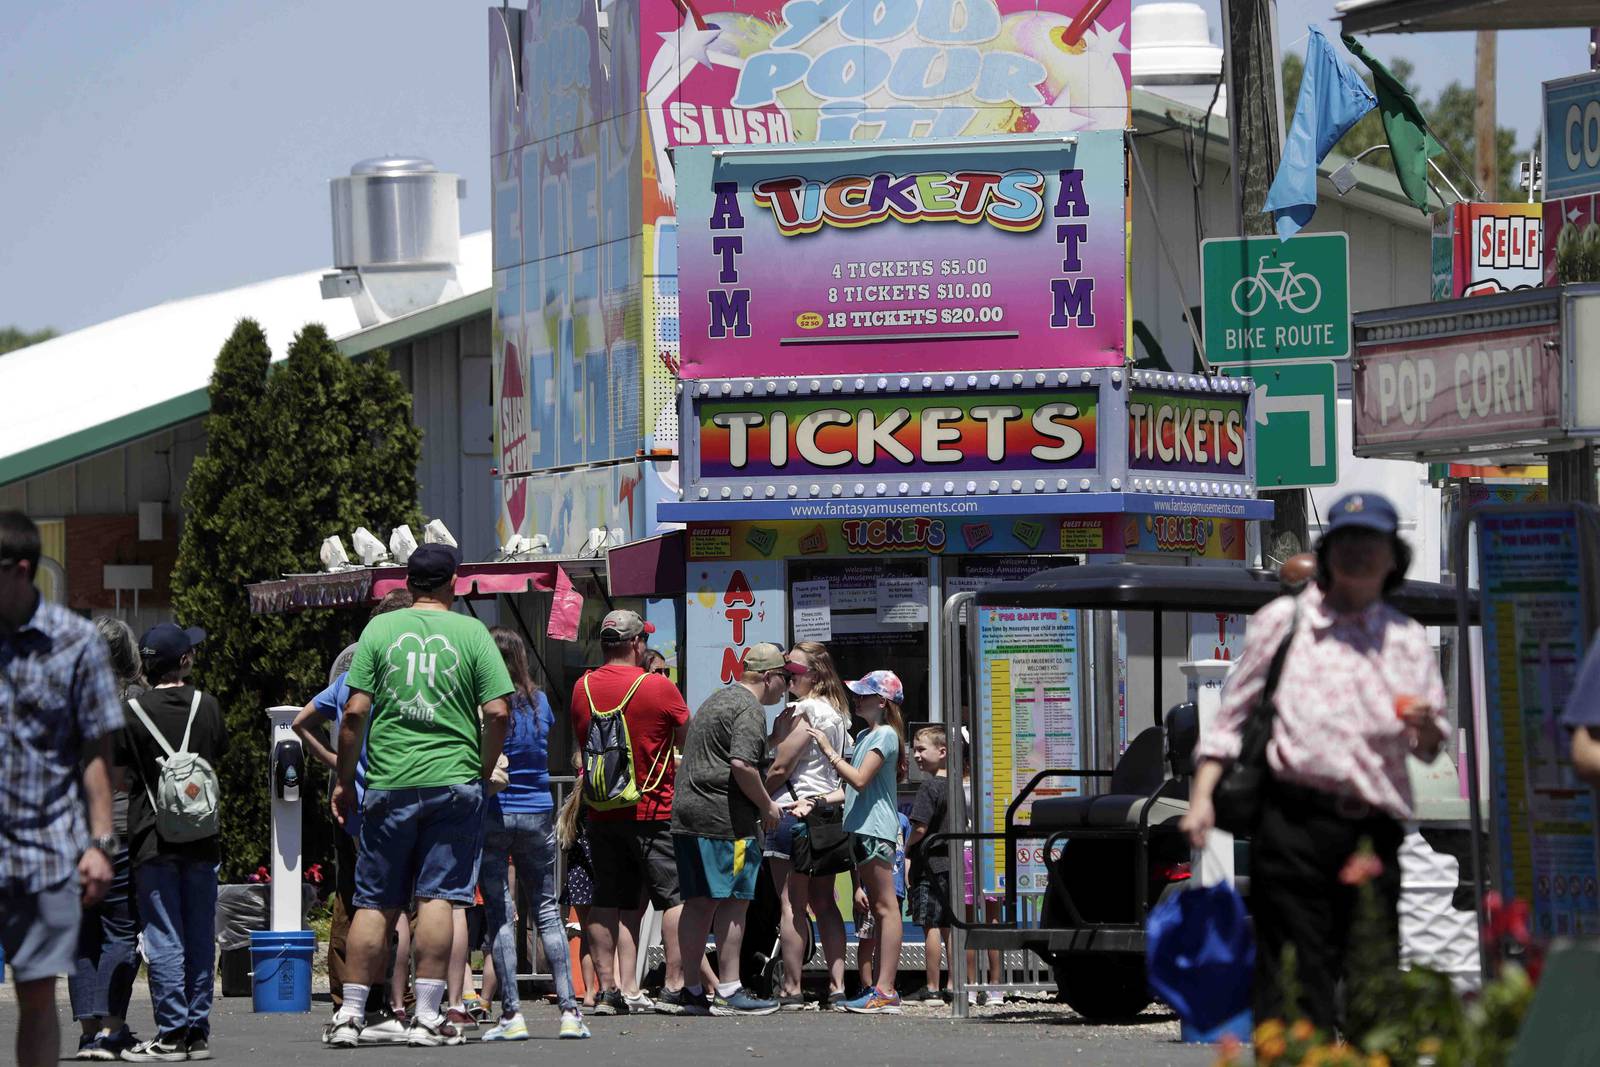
1410, 143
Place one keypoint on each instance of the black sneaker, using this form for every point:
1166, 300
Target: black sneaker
792, 1002
116, 1042
925, 995
670, 1002
172, 1048
611, 1003
199, 1045
85, 1043
696, 1003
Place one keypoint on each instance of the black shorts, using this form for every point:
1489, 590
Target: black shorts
475, 930
633, 862
930, 900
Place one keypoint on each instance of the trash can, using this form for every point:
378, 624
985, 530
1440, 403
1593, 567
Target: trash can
233, 969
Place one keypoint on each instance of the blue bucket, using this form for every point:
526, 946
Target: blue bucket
280, 965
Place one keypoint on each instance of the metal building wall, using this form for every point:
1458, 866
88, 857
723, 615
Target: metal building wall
448, 373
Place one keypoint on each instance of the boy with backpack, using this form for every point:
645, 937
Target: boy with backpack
173, 742
628, 724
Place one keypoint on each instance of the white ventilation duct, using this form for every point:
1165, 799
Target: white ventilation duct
396, 237
1173, 55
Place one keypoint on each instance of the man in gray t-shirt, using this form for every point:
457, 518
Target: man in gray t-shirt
720, 798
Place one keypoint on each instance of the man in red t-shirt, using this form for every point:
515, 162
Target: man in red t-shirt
631, 848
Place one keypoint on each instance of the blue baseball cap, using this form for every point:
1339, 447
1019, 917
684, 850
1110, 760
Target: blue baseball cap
168, 642
1362, 511
432, 565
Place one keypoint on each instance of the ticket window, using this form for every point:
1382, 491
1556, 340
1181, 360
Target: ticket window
872, 626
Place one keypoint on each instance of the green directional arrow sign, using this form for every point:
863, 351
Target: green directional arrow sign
1266, 300
1297, 431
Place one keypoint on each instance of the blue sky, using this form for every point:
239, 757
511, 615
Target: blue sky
160, 149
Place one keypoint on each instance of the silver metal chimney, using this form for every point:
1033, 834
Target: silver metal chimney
396, 237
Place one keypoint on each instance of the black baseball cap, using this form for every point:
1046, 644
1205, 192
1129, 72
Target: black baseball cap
430, 566
1363, 511
167, 642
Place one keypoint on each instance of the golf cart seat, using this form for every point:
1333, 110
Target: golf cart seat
1137, 777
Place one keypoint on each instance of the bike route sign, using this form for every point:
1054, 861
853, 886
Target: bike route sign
1267, 300
1297, 429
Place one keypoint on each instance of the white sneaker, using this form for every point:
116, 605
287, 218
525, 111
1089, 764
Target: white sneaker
573, 1027
639, 1002
342, 1031
391, 1031
514, 1028
424, 1034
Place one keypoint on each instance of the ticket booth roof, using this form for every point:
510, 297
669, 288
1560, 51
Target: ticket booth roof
1154, 587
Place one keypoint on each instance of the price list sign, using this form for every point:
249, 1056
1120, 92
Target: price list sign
1531, 572
1028, 717
918, 256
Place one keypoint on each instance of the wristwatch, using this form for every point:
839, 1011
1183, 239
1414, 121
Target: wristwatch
107, 844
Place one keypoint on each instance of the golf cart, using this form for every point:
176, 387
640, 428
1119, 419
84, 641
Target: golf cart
1113, 850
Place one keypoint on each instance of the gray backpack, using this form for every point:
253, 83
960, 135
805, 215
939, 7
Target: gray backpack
186, 792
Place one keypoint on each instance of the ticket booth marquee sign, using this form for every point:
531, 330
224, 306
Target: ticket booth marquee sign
1051, 441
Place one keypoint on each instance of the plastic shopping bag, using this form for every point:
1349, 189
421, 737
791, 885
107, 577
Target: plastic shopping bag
1200, 954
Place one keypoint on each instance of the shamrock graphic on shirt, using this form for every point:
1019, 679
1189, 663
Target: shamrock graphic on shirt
418, 674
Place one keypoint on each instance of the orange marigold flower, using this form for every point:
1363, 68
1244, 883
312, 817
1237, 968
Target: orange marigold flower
1269, 1028
1302, 1030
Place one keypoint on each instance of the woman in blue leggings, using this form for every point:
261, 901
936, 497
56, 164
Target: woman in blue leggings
520, 829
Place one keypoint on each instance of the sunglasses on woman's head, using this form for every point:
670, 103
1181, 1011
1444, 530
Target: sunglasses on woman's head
660, 670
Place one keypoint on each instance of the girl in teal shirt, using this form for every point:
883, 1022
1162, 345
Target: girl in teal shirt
870, 777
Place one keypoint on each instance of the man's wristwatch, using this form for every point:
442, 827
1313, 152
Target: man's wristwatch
107, 844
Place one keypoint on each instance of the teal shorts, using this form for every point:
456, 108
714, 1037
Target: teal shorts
866, 848
717, 868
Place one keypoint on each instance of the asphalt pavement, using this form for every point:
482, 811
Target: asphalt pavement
1017, 1035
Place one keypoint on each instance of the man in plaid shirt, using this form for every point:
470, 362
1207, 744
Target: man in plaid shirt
58, 712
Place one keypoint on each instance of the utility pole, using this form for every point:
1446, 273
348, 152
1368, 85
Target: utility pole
1484, 133
1255, 142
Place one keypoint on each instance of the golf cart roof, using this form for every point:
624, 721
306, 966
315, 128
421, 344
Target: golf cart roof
1155, 587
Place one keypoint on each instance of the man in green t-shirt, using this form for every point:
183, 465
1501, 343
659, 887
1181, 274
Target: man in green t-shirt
417, 682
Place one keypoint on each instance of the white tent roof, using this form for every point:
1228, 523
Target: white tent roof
101, 386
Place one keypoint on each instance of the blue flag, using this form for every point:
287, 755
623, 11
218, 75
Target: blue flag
1332, 99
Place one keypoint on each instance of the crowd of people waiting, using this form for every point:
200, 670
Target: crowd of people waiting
670, 810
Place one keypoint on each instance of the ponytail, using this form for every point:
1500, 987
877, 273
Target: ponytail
567, 818
892, 715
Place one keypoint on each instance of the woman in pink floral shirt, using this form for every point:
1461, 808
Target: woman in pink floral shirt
1360, 691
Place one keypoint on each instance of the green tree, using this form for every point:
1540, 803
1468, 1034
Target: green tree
319, 447
1449, 115
13, 338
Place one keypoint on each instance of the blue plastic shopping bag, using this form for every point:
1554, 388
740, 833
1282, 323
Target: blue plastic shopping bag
1200, 954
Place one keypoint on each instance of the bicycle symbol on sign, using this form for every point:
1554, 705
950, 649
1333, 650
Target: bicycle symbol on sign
1298, 292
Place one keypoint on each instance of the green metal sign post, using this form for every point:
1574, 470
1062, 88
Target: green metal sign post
1266, 300
1297, 431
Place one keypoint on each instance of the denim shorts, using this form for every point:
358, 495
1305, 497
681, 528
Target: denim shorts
39, 931
421, 844
780, 842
